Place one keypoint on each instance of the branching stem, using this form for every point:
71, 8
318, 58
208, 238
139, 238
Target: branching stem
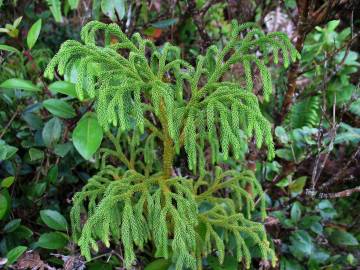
168, 151
120, 153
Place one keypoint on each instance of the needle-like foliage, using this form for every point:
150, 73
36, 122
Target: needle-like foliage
154, 99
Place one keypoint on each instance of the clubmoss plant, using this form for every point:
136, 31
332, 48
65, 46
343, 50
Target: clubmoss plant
150, 100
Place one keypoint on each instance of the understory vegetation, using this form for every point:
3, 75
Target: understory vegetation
171, 135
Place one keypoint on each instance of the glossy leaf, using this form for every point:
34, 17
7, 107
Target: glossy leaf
285, 154
33, 34
53, 174
4, 204
7, 182
17, 21
62, 149
33, 120
59, 108
15, 254
20, 84
295, 212
51, 132
87, 136
54, 220
36, 154
23, 232
6, 151
301, 244
8, 48
297, 185
112, 7
53, 240
63, 87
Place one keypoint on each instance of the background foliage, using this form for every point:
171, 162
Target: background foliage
312, 185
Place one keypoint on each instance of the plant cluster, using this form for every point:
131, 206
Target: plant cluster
173, 177
141, 90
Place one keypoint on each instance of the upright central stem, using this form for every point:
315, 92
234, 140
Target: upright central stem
168, 156
168, 152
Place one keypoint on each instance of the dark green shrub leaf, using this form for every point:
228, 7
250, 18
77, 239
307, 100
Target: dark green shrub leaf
159, 264
284, 154
6, 151
53, 174
62, 149
4, 204
311, 222
53, 240
38, 189
12, 225
343, 238
327, 210
282, 134
20, 84
301, 244
23, 232
63, 87
15, 254
295, 212
297, 185
35, 154
284, 182
319, 256
230, 263
59, 108
51, 132
87, 136
34, 121
317, 228
54, 220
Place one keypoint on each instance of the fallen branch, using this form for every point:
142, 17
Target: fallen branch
340, 194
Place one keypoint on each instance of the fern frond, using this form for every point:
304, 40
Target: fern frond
304, 113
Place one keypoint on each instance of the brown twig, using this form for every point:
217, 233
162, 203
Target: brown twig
309, 18
198, 17
338, 176
340, 194
10, 122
